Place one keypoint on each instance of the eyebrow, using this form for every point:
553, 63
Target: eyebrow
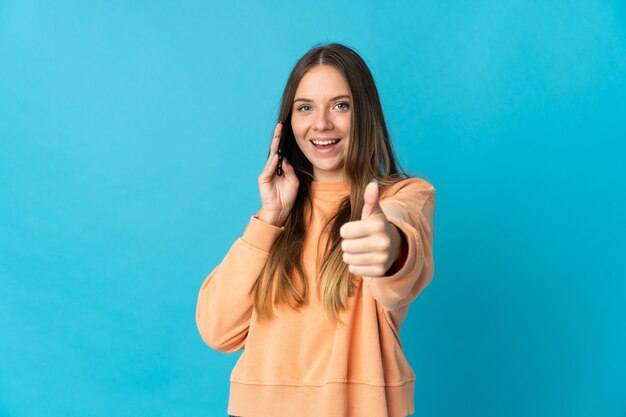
334, 98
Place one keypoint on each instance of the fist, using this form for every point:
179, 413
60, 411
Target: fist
370, 245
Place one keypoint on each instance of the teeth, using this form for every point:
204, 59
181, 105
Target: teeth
325, 142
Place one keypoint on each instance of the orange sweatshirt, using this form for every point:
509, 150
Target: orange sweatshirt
299, 363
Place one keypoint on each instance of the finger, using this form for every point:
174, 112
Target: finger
371, 205
367, 271
365, 259
269, 160
288, 169
361, 228
276, 139
273, 147
270, 168
370, 244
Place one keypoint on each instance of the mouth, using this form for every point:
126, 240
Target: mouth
325, 144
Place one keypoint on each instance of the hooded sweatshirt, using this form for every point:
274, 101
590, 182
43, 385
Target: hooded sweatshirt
300, 363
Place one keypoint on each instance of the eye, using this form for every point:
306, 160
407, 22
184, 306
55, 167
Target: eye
302, 107
345, 105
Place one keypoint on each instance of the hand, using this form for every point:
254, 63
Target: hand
278, 193
370, 245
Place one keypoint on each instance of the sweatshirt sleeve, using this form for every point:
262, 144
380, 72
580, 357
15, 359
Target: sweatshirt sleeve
225, 301
409, 205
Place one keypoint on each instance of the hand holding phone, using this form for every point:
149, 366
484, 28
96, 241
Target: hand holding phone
278, 183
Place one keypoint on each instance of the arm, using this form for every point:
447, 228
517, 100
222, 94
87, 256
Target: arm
410, 208
225, 302
224, 307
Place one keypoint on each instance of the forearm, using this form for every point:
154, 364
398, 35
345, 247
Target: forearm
225, 301
414, 268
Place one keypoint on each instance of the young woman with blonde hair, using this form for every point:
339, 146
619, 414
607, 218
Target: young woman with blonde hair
317, 287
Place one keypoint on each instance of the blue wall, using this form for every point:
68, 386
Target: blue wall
132, 135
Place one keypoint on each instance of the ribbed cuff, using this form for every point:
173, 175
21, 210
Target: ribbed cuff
261, 235
405, 261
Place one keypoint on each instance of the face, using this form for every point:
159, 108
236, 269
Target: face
321, 119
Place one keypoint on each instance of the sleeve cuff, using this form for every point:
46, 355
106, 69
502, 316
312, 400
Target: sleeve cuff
403, 254
403, 265
261, 235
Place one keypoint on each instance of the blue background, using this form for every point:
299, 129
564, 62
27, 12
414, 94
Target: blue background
132, 135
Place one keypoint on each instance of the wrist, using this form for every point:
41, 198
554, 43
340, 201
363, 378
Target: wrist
396, 243
398, 251
269, 218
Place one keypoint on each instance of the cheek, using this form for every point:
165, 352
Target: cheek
299, 139
347, 124
301, 145
296, 129
297, 132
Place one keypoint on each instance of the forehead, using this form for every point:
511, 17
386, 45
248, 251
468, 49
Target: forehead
322, 82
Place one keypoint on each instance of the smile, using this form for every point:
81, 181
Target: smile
325, 145
324, 142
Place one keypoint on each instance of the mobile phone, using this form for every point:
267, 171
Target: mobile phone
282, 148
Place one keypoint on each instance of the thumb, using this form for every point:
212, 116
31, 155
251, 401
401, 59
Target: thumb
371, 204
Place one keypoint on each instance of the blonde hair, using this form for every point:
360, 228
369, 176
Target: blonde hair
369, 156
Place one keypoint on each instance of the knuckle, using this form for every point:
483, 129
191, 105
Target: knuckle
383, 258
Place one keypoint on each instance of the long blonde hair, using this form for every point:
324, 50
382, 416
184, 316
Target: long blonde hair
369, 156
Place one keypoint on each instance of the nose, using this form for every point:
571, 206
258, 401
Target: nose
323, 121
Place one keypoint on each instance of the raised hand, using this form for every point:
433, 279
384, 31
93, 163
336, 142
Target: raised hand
370, 245
278, 193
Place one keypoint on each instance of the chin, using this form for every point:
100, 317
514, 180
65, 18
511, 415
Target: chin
327, 167
330, 169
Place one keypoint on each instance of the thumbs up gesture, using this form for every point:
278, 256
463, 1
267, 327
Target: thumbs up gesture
370, 245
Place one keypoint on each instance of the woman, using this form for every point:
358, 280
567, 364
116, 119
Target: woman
317, 286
